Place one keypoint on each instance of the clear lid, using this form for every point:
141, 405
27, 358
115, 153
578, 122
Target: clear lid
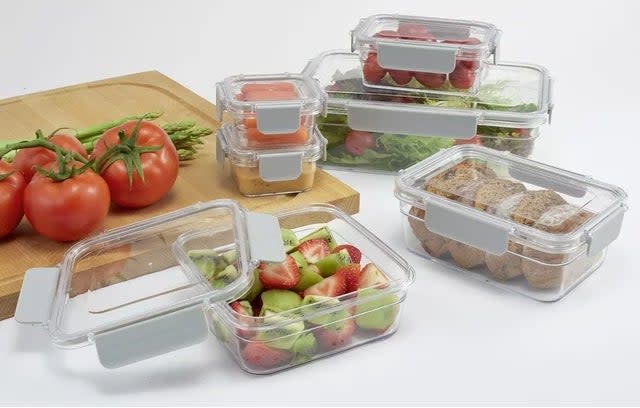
424, 44
511, 95
231, 144
277, 102
149, 278
486, 198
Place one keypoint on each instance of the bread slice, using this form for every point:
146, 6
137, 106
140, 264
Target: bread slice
434, 244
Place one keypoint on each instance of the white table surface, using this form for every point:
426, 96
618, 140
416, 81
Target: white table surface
459, 340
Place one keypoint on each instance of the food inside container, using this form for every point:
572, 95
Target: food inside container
278, 291
259, 172
385, 130
423, 53
513, 222
270, 111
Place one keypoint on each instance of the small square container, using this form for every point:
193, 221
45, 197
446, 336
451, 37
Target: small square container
260, 172
163, 284
512, 222
424, 53
270, 111
404, 127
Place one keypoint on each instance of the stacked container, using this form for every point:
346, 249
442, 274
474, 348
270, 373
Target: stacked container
162, 284
271, 140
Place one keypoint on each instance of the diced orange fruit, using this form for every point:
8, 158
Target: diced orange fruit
257, 139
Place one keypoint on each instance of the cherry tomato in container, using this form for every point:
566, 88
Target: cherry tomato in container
138, 161
27, 159
68, 203
357, 142
12, 187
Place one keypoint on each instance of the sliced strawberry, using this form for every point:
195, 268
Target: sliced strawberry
283, 275
400, 77
314, 250
371, 276
333, 286
351, 274
354, 253
243, 308
257, 354
336, 334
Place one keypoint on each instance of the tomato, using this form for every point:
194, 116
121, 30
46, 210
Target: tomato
159, 167
371, 70
66, 210
473, 140
462, 77
11, 190
357, 142
27, 159
400, 77
429, 80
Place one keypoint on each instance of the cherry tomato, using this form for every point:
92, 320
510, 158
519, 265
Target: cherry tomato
66, 210
473, 140
159, 167
371, 70
27, 159
11, 190
400, 77
429, 80
357, 142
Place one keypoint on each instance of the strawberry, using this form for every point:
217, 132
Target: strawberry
243, 308
371, 70
462, 77
336, 334
372, 276
414, 31
283, 275
333, 286
429, 80
351, 274
257, 354
354, 253
400, 77
314, 249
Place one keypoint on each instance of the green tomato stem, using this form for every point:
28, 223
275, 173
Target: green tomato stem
41, 143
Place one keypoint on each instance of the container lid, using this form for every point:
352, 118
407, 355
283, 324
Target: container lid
424, 44
150, 279
277, 102
511, 95
486, 198
277, 164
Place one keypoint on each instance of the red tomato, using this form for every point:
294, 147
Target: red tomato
371, 70
11, 191
429, 80
27, 159
66, 210
357, 142
473, 140
400, 77
159, 167
462, 77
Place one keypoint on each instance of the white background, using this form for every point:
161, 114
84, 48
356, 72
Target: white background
459, 341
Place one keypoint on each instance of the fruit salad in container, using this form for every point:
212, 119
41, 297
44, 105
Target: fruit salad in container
270, 111
423, 53
509, 221
279, 170
382, 130
278, 291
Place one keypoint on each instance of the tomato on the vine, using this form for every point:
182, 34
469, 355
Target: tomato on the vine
28, 159
138, 161
68, 203
12, 187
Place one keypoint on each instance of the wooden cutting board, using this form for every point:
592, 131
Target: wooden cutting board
97, 102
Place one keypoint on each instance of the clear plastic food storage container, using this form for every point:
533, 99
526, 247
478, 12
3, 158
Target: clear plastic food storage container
270, 111
278, 291
509, 221
259, 172
384, 131
423, 53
